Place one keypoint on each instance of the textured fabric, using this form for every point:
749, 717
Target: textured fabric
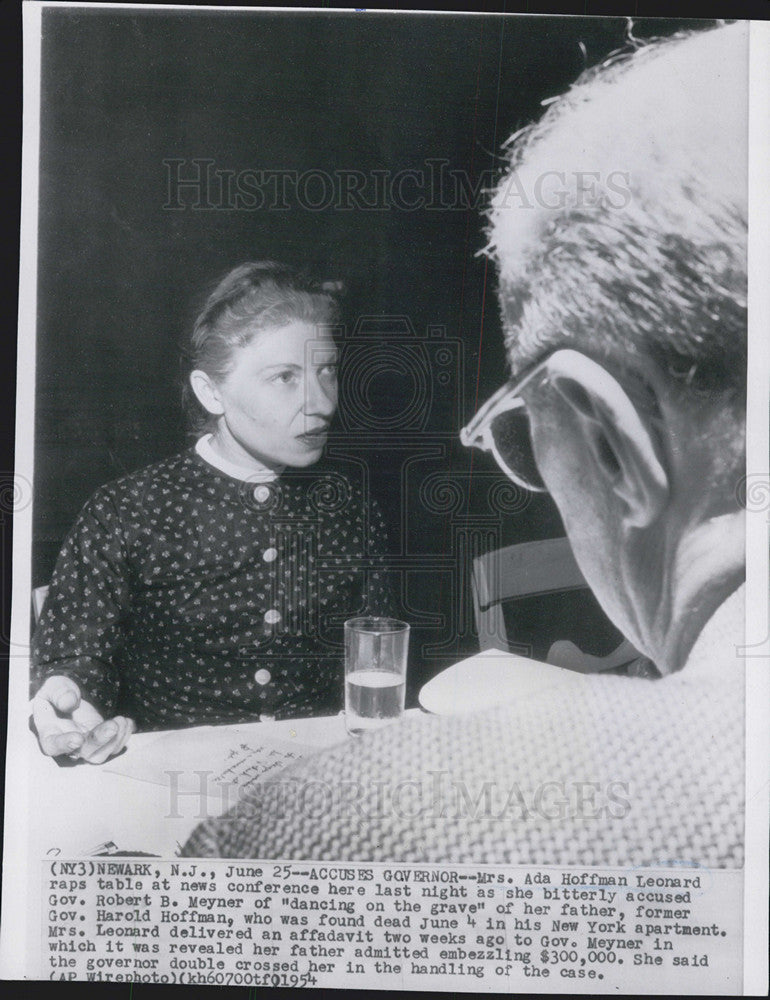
183, 596
622, 771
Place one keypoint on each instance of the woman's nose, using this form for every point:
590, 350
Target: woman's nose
320, 399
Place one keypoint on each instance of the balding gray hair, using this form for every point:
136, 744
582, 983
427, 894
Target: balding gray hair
620, 227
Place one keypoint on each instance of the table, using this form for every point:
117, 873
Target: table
121, 801
84, 807
118, 802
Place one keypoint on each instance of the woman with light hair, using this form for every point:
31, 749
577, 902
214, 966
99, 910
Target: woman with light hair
211, 587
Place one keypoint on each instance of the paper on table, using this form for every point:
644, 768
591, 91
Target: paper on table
205, 760
491, 678
150, 798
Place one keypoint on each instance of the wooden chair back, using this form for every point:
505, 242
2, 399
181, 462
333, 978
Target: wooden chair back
526, 570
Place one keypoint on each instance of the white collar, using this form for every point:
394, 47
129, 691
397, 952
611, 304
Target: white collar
258, 474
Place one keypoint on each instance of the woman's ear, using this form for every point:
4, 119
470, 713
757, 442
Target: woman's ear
206, 392
617, 439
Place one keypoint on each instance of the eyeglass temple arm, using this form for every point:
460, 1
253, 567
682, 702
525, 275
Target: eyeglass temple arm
474, 434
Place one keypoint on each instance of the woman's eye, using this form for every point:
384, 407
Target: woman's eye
284, 377
329, 370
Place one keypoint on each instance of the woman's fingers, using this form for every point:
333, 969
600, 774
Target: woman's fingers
62, 692
107, 739
87, 717
67, 724
57, 733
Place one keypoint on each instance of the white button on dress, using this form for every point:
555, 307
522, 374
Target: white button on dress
263, 676
261, 493
272, 616
270, 555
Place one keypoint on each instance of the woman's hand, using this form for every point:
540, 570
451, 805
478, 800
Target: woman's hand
68, 724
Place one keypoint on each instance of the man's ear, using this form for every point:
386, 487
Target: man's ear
615, 434
206, 392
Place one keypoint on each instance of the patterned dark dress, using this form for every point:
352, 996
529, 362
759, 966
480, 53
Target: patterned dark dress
183, 596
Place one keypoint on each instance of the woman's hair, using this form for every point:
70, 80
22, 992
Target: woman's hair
255, 296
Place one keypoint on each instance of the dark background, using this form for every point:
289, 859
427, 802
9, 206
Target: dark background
120, 275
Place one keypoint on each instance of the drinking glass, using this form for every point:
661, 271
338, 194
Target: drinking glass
375, 672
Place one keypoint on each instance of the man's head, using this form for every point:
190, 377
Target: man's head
630, 250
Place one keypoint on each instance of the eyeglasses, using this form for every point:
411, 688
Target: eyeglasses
502, 427
502, 424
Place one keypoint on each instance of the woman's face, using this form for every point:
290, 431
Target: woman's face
279, 397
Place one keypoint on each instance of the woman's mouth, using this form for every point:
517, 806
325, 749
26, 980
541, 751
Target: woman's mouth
314, 439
